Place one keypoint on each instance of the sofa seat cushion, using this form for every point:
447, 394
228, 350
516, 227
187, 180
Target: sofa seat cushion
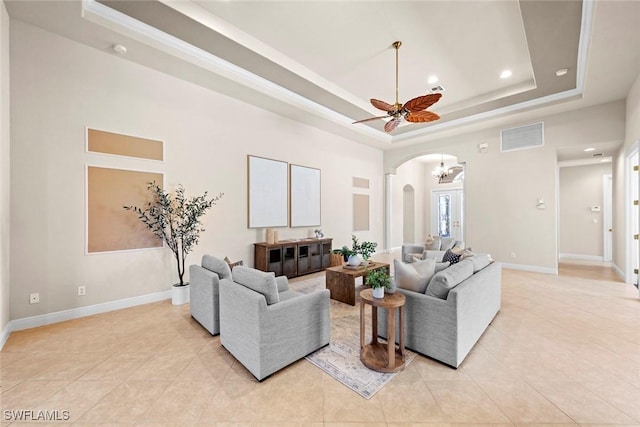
415, 276
217, 265
259, 281
443, 281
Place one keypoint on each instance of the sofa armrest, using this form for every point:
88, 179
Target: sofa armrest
204, 298
283, 283
411, 248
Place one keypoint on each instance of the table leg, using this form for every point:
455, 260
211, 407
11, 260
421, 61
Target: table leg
374, 324
391, 332
361, 324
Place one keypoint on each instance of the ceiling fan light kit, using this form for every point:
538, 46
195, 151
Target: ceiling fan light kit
412, 111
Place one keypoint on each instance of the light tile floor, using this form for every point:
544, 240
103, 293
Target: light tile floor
562, 351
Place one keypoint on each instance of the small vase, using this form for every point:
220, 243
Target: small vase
378, 292
354, 260
392, 287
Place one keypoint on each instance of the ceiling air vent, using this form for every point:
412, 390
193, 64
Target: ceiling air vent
528, 136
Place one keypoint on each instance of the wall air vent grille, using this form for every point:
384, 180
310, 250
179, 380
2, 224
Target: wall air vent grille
528, 136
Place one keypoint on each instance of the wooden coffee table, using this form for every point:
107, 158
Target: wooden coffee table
341, 281
382, 357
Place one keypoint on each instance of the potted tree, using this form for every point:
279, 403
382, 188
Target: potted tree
379, 280
175, 219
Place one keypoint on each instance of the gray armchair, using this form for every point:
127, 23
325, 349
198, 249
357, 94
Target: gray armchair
265, 325
204, 294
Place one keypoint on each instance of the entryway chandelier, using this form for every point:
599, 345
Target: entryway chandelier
441, 172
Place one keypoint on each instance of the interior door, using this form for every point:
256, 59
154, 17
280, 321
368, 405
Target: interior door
447, 213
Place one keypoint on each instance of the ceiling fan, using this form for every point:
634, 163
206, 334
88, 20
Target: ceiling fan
412, 110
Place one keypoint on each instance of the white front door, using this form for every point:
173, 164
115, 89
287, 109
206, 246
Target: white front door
446, 214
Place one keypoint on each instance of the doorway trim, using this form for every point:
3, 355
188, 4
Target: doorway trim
607, 218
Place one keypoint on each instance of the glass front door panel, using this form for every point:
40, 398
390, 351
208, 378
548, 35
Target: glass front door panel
444, 215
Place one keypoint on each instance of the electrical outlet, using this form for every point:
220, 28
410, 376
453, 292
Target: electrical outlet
513, 254
34, 298
82, 290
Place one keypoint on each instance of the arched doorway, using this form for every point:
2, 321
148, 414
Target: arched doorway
408, 214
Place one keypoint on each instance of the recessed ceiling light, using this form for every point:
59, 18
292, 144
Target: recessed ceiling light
432, 80
586, 150
561, 72
505, 74
120, 49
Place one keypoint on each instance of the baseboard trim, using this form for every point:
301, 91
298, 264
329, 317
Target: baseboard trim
5, 335
579, 257
619, 272
532, 268
75, 313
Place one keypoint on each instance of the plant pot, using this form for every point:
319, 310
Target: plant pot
180, 294
392, 287
354, 260
378, 292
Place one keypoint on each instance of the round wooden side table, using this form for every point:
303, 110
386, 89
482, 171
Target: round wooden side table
382, 357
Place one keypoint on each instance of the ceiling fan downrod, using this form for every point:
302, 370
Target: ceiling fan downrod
396, 45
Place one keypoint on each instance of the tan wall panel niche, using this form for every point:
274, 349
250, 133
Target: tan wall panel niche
99, 141
109, 226
360, 212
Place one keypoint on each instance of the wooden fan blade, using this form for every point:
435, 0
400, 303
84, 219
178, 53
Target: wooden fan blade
422, 102
369, 119
422, 116
392, 124
381, 105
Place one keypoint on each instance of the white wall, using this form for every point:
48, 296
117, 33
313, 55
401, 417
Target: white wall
581, 187
501, 189
410, 173
4, 170
60, 86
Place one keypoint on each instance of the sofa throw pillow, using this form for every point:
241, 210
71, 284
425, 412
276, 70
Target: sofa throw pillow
441, 266
451, 257
216, 265
413, 277
259, 281
447, 279
447, 243
436, 255
432, 243
480, 261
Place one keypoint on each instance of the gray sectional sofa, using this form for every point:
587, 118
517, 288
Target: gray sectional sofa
459, 303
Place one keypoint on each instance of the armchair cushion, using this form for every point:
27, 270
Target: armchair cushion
259, 281
218, 266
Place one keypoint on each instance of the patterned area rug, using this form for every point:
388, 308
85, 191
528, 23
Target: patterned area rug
341, 358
